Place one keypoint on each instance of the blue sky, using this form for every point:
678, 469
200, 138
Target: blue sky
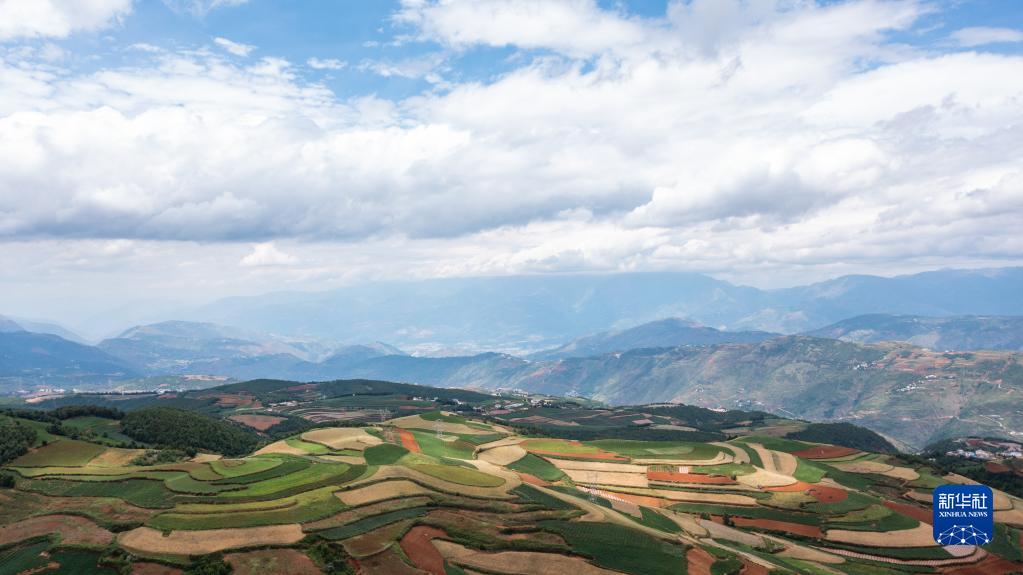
176, 151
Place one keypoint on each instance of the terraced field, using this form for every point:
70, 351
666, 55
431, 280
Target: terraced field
471, 498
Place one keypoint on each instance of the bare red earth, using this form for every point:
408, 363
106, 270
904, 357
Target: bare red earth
750, 568
787, 527
994, 467
825, 452
699, 561
416, 544
919, 513
822, 493
991, 565
688, 478
408, 441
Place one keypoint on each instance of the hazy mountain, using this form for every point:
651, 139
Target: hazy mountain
180, 347
941, 333
671, 332
908, 393
9, 326
524, 314
36, 358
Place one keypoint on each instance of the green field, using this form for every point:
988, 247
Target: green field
370, 523
63, 453
459, 475
150, 494
443, 446
384, 454
234, 468
537, 466
657, 449
620, 548
307, 506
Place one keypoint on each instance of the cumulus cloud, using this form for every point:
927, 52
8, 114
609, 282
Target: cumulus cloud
326, 63
747, 137
267, 254
58, 18
982, 36
235, 48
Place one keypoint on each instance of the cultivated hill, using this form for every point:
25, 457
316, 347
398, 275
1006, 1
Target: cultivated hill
957, 333
438, 492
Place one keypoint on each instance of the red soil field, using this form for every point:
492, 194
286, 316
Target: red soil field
822, 493
994, 467
825, 452
699, 561
303, 387
408, 441
749, 568
257, 422
688, 478
797, 528
991, 565
416, 544
920, 514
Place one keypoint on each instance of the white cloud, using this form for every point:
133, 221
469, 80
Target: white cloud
982, 36
326, 63
578, 27
267, 254
200, 8
58, 18
779, 139
234, 47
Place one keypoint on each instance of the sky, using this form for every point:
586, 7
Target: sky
171, 152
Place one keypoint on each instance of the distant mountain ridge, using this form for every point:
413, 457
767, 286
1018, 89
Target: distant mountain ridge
180, 347
669, 332
959, 333
29, 359
528, 314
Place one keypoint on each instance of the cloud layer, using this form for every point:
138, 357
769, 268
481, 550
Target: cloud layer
747, 137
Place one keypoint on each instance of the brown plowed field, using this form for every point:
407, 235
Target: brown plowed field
257, 422
920, 514
416, 544
750, 568
408, 441
153, 569
699, 561
822, 493
73, 530
276, 561
689, 478
825, 452
991, 565
785, 526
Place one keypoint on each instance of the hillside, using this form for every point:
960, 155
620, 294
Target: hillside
436, 492
670, 332
956, 333
29, 359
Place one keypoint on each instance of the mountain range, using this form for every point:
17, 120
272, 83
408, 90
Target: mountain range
933, 385
967, 332
526, 314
